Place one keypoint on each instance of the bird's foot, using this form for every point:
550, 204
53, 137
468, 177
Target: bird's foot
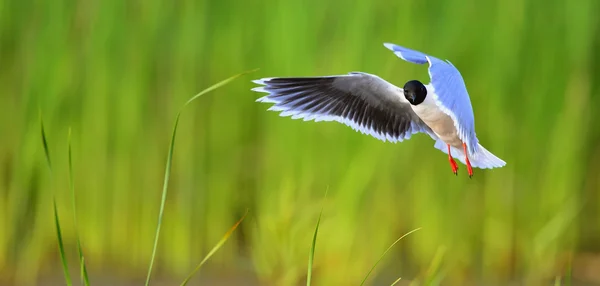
469, 168
452, 162
453, 165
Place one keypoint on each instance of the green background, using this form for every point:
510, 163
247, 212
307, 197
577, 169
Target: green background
117, 72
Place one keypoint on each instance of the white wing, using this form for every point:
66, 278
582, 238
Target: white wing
362, 101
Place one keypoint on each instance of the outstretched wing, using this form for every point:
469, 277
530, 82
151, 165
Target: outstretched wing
450, 92
362, 101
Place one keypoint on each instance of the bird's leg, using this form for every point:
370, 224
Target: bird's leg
469, 168
452, 162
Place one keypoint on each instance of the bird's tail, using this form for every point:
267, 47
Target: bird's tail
482, 158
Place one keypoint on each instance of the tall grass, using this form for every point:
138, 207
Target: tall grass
116, 72
168, 174
214, 249
84, 276
384, 253
59, 237
83, 269
313, 245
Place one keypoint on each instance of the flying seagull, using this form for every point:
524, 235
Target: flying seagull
373, 106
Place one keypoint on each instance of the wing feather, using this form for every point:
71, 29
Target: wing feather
362, 101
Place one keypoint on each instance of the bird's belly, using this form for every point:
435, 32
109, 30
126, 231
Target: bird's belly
440, 123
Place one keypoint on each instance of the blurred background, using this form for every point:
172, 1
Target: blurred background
117, 73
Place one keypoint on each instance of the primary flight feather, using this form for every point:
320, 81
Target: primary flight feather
373, 106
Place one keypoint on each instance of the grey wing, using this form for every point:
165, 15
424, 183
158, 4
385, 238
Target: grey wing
362, 101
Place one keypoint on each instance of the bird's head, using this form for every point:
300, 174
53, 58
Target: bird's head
415, 92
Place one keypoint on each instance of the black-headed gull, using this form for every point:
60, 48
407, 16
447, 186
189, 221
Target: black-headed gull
378, 108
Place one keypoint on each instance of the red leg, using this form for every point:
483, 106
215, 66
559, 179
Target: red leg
469, 168
452, 162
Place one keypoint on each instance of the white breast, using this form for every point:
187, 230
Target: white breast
441, 124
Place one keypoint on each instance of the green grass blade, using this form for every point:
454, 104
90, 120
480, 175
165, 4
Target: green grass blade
311, 256
217, 85
215, 248
163, 199
384, 253
61, 248
168, 167
45, 144
83, 269
396, 282
434, 275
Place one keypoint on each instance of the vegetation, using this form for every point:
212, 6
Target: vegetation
116, 73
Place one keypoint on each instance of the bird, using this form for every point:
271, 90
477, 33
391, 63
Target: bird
373, 106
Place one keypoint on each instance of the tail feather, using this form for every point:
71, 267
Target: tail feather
482, 158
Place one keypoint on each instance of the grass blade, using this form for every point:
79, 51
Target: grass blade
215, 248
434, 275
163, 199
45, 144
215, 86
396, 282
311, 256
384, 253
168, 166
61, 248
83, 269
